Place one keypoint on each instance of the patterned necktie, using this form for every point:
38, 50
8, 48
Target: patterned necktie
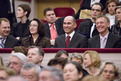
1, 42
53, 32
67, 41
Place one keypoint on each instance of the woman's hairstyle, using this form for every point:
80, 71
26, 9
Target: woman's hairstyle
20, 49
95, 58
60, 52
110, 63
26, 8
41, 27
1, 61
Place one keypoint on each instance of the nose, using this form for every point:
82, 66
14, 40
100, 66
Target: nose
11, 65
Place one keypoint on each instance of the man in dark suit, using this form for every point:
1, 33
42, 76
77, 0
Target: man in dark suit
75, 39
88, 27
50, 17
105, 39
6, 40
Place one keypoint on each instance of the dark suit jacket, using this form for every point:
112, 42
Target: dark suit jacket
77, 41
59, 28
113, 41
11, 42
86, 5
85, 28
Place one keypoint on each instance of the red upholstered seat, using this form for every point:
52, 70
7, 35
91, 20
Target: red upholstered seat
78, 21
44, 21
64, 11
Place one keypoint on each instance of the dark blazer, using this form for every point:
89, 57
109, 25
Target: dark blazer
85, 28
77, 41
11, 42
113, 41
43, 42
86, 5
59, 28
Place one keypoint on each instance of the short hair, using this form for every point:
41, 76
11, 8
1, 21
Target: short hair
40, 51
99, 5
47, 9
8, 70
21, 56
58, 60
1, 61
107, 19
60, 52
74, 20
20, 49
111, 63
40, 28
25, 7
4, 19
95, 58
16, 78
56, 74
78, 56
93, 78
29, 66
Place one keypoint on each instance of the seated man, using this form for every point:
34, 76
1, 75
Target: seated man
105, 39
70, 39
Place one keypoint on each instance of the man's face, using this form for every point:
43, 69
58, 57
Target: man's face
102, 25
16, 64
4, 28
95, 11
33, 56
45, 76
69, 25
50, 17
30, 74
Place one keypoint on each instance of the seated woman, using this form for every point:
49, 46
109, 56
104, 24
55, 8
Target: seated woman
109, 71
92, 62
110, 11
37, 35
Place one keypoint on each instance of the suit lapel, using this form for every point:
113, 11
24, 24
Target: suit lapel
7, 42
108, 43
97, 41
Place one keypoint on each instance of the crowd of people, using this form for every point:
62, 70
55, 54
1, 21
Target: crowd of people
102, 29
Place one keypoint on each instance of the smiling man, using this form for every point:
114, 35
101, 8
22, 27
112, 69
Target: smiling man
70, 39
105, 39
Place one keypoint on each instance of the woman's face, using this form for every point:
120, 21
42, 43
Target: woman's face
70, 73
33, 28
108, 72
20, 12
111, 8
87, 60
118, 14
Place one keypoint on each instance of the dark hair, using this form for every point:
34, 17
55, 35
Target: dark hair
20, 49
99, 5
41, 27
25, 7
59, 60
59, 53
47, 9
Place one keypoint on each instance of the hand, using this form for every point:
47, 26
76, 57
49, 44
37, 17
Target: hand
52, 42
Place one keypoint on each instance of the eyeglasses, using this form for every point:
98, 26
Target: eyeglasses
33, 26
97, 10
106, 71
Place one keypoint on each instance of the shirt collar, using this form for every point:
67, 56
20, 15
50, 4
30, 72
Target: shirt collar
71, 35
106, 36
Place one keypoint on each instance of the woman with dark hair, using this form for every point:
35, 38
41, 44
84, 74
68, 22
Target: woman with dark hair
37, 35
62, 53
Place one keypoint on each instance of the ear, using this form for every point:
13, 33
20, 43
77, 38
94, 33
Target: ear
108, 24
75, 25
45, 18
41, 58
25, 13
80, 75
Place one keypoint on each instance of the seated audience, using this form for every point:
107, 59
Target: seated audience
92, 62
86, 5
116, 29
35, 55
104, 39
109, 71
58, 62
1, 61
50, 74
62, 53
88, 27
71, 38
6, 72
37, 35
21, 29
16, 78
110, 11
53, 27
6, 40
30, 72
19, 49
16, 61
